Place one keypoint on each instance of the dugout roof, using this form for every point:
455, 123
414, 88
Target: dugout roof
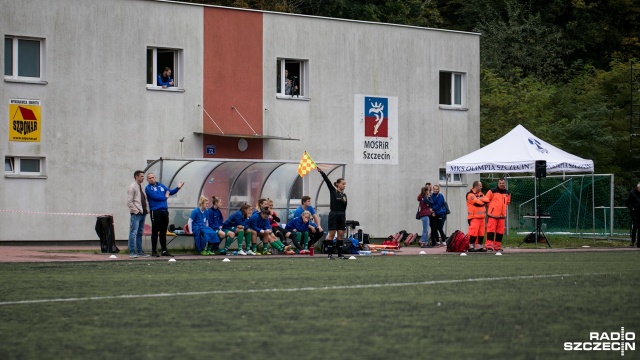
236, 181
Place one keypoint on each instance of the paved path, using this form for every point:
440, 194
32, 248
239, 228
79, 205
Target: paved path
50, 253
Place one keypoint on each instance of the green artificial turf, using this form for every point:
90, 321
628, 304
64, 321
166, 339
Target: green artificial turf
482, 306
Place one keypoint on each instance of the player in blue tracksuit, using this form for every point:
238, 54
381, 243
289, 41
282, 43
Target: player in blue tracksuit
317, 232
203, 235
216, 219
157, 195
260, 224
297, 230
237, 226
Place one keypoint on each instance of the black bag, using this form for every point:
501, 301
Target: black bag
106, 233
446, 206
418, 213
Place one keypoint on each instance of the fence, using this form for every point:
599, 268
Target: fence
579, 205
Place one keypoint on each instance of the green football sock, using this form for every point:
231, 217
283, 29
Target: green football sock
228, 242
305, 240
241, 238
278, 245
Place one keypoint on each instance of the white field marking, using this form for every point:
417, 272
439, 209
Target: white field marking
338, 287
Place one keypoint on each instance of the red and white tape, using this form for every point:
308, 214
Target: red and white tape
51, 213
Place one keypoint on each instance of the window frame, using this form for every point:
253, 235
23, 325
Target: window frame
16, 167
177, 68
457, 91
15, 54
456, 179
283, 64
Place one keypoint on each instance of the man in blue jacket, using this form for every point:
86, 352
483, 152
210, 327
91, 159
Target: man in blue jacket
157, 195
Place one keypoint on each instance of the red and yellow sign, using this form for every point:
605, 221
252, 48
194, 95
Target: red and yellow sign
25, 120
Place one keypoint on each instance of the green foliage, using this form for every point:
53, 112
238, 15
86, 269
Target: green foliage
559, 67
587, 116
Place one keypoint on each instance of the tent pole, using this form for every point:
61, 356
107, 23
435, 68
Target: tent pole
611, 208
593, 208
579, 206
446, 196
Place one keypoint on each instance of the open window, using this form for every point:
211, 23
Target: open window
452, 89
164, 68
292, 78
24, 59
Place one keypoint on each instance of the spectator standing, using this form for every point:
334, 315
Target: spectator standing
633, 203
438, 215
137, 203
424, 212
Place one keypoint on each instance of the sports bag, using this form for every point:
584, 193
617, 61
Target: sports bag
458, 242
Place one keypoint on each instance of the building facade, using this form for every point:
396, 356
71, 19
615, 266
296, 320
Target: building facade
84, 107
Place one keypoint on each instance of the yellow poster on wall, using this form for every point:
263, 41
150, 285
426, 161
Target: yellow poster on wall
25, 120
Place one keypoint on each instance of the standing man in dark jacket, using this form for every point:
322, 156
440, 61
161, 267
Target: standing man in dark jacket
633, 203
157, 194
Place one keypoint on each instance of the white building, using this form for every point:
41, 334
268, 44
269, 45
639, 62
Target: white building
391, 103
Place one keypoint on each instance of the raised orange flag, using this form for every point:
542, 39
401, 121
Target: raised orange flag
306, 164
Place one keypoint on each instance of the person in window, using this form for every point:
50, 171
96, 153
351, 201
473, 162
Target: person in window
290, 88
165, 79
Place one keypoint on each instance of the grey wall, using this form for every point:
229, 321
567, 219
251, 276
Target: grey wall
99, 122
348, 58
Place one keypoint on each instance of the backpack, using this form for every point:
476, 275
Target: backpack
458, 242
410, 239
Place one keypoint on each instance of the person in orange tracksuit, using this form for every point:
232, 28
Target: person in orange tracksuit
499, 198
476, 212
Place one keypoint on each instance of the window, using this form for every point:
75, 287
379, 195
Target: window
8, 165
158, 59
453, 178
24, 166
291, 78
452, 89
23, 58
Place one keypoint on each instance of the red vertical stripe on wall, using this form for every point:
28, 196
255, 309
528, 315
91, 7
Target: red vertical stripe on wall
232, 78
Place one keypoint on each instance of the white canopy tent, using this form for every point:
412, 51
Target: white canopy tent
517, 152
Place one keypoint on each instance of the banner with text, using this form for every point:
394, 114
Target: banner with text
375, 129
25, 120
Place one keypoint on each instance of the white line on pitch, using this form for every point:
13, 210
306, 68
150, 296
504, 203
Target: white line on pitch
337, 287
